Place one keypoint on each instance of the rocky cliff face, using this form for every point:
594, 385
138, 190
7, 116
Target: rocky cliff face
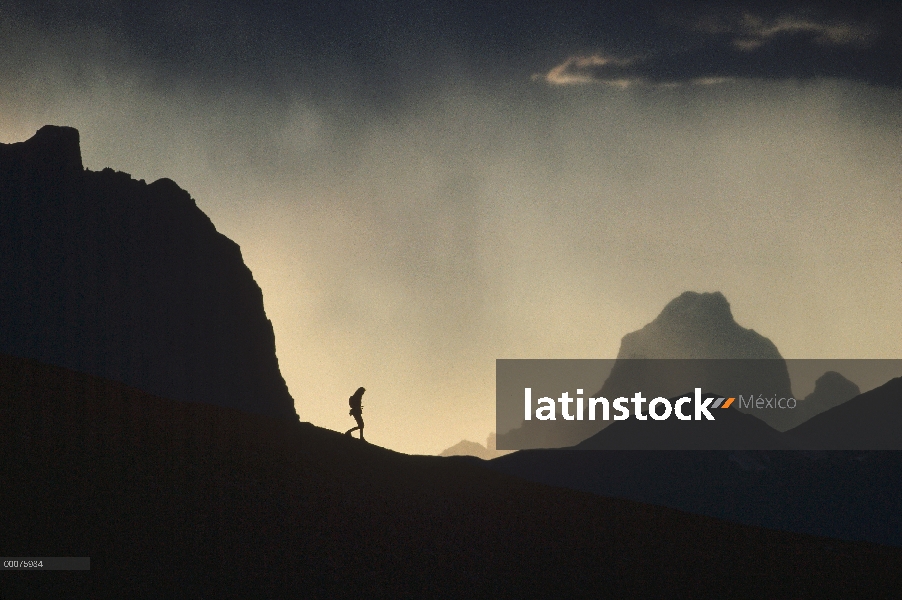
129, 281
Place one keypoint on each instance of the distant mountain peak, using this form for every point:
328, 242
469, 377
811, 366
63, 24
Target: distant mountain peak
696, 342
697, 308
836, 383
696, 325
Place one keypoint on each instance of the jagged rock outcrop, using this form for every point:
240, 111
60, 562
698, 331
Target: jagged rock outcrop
129, 281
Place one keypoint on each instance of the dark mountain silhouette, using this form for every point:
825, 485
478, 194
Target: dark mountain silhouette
693, 342
173, 499
831, 389
697, 325
870, 421
851, 491
853, 495
130, 281
731, 430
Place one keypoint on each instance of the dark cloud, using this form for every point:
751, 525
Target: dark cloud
749, 31
385, 52
708, 45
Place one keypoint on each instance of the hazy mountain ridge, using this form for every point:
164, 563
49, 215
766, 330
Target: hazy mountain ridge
468, 448
698, 329
695, 342
130, 281
830, 389
852, 494
732, 430
869, 421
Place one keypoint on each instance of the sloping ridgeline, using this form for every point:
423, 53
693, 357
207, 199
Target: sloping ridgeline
185, 500
129, 281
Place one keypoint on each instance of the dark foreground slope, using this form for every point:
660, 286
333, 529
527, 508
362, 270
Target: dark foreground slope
190, 500
871, 421
730, 430
127, 280
853, 492
848, 495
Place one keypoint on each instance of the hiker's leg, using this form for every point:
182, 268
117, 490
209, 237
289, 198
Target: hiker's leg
359, 419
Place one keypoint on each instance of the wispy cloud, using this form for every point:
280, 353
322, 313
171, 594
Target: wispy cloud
594, 68
750, 31
721, 45
619, 73
710, 80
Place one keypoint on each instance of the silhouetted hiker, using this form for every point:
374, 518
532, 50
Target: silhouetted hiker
356, 402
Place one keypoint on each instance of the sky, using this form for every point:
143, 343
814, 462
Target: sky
421, 188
